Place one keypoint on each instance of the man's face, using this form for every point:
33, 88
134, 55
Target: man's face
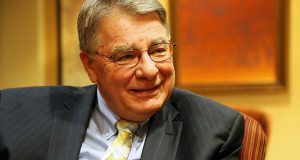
132, 93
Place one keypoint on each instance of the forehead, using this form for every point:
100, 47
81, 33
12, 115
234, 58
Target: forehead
121, 28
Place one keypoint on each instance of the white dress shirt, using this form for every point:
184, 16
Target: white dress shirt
101, 132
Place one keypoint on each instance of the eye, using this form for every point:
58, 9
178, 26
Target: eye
158, 50
125, 56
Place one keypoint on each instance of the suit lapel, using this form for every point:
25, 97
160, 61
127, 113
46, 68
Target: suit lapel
163, 135
69, 125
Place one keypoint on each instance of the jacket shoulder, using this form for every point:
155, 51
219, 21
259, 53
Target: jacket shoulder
13, 96
194, 105
207, 124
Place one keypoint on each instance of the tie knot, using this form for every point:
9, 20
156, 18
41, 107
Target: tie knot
129, 126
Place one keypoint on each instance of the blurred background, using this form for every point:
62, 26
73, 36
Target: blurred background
32, 42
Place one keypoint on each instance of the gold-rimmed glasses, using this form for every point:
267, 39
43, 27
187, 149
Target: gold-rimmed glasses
130, 58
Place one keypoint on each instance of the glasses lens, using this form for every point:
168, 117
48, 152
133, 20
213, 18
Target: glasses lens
127, 59
158, 53
161, 52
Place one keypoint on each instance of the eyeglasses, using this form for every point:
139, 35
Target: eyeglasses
127, 59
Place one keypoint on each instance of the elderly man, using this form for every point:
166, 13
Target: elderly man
132, 111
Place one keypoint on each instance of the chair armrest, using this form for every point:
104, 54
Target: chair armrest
254, 141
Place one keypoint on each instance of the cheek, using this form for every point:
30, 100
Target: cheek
167, 70
117, 77
102, 73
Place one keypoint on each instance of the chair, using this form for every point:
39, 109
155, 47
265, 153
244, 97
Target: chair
255, 139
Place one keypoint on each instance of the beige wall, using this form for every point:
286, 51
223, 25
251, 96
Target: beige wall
27, 43
28, 51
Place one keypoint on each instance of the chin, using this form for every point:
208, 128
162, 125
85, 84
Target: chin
149, 108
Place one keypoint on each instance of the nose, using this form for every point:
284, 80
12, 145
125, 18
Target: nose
146, 68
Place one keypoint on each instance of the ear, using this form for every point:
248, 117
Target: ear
169, 36
87, 62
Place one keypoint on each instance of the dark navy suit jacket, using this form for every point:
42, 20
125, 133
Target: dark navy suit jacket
40, 123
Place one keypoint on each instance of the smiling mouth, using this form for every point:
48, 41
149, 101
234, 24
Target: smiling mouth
146, 92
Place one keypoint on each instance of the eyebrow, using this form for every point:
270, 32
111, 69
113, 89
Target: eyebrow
124, 48
121, 48
159, 41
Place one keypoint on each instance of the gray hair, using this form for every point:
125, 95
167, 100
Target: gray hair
94, 10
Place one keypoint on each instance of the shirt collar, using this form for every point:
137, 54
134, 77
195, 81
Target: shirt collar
108, 115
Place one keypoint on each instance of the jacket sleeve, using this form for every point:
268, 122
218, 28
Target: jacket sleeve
4, 154
232, 147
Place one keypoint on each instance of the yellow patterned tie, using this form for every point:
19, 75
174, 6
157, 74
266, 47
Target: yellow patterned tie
120, 147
